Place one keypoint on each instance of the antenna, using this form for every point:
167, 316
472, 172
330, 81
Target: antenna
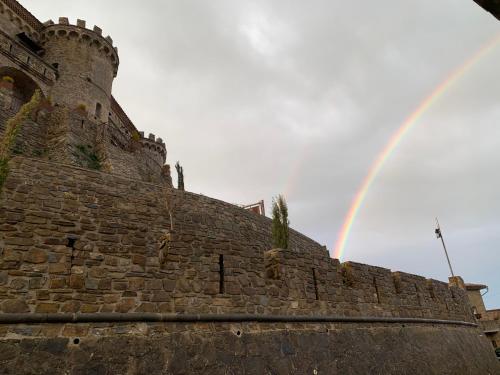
439, 234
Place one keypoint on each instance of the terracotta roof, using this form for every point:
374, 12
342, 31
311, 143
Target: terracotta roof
116, 108
24, 14
475, 286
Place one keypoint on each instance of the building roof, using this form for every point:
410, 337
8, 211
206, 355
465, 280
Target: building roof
470, 286
24, 14
115, 107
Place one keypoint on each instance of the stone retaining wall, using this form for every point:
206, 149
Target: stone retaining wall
244, 348
76, 240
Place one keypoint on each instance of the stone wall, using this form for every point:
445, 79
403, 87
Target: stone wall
244, 348
75, 240
69, 136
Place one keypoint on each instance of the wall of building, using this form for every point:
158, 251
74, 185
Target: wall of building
114, 264
476, 301
68, 136
244, 348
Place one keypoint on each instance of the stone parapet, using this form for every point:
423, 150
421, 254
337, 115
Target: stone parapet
26, 60
154, 147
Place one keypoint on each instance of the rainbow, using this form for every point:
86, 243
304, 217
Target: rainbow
396, 139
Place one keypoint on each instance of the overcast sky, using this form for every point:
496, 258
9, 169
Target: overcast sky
257, 98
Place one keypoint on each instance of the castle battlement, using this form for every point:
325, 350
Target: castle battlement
155, 147
94, 37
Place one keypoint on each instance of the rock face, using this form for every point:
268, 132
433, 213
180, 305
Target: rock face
492, 6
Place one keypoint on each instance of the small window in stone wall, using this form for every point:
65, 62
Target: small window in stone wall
315, 283
98, 110
221, 273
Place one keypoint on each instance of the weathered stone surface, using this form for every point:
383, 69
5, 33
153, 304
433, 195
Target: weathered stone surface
15, 306
253, 349
36, 256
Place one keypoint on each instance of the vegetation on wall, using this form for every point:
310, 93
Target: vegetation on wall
12, 129
280, 226
101, 151
88, 158
136, 136
81, 107
57, 129
180, 176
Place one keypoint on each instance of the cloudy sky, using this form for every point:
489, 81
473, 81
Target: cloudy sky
257, 98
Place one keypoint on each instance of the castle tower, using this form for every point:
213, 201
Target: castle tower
86, 63
154, 147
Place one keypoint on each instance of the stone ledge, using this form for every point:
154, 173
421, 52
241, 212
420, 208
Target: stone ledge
205, 318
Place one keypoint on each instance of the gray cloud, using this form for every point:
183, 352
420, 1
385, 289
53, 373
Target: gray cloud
262, 97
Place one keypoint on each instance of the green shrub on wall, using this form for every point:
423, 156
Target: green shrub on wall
12, 129
280, 223
88, 157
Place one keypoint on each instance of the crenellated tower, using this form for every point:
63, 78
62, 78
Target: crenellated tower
86, 63
154, 148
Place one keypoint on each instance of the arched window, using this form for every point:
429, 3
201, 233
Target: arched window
23, 86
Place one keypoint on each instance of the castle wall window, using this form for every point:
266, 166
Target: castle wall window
221, 273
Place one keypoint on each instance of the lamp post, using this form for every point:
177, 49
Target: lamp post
439, 234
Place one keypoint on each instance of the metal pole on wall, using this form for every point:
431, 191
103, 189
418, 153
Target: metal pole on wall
439, 234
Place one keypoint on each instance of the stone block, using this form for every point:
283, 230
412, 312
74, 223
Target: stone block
136, 283
57, 268
71, 307
104, 284
89, 308
57, 283
15, 306
154, 284
36, 256
91, 284
77, 281
47, 307
125, 305
75, 330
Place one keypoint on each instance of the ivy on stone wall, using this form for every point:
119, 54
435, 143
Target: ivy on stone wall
12, 129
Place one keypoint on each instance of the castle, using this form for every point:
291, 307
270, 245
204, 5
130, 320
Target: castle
81, 123
105, 268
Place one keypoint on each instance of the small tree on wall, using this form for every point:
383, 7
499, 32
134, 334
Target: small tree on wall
280, 223
180, 176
